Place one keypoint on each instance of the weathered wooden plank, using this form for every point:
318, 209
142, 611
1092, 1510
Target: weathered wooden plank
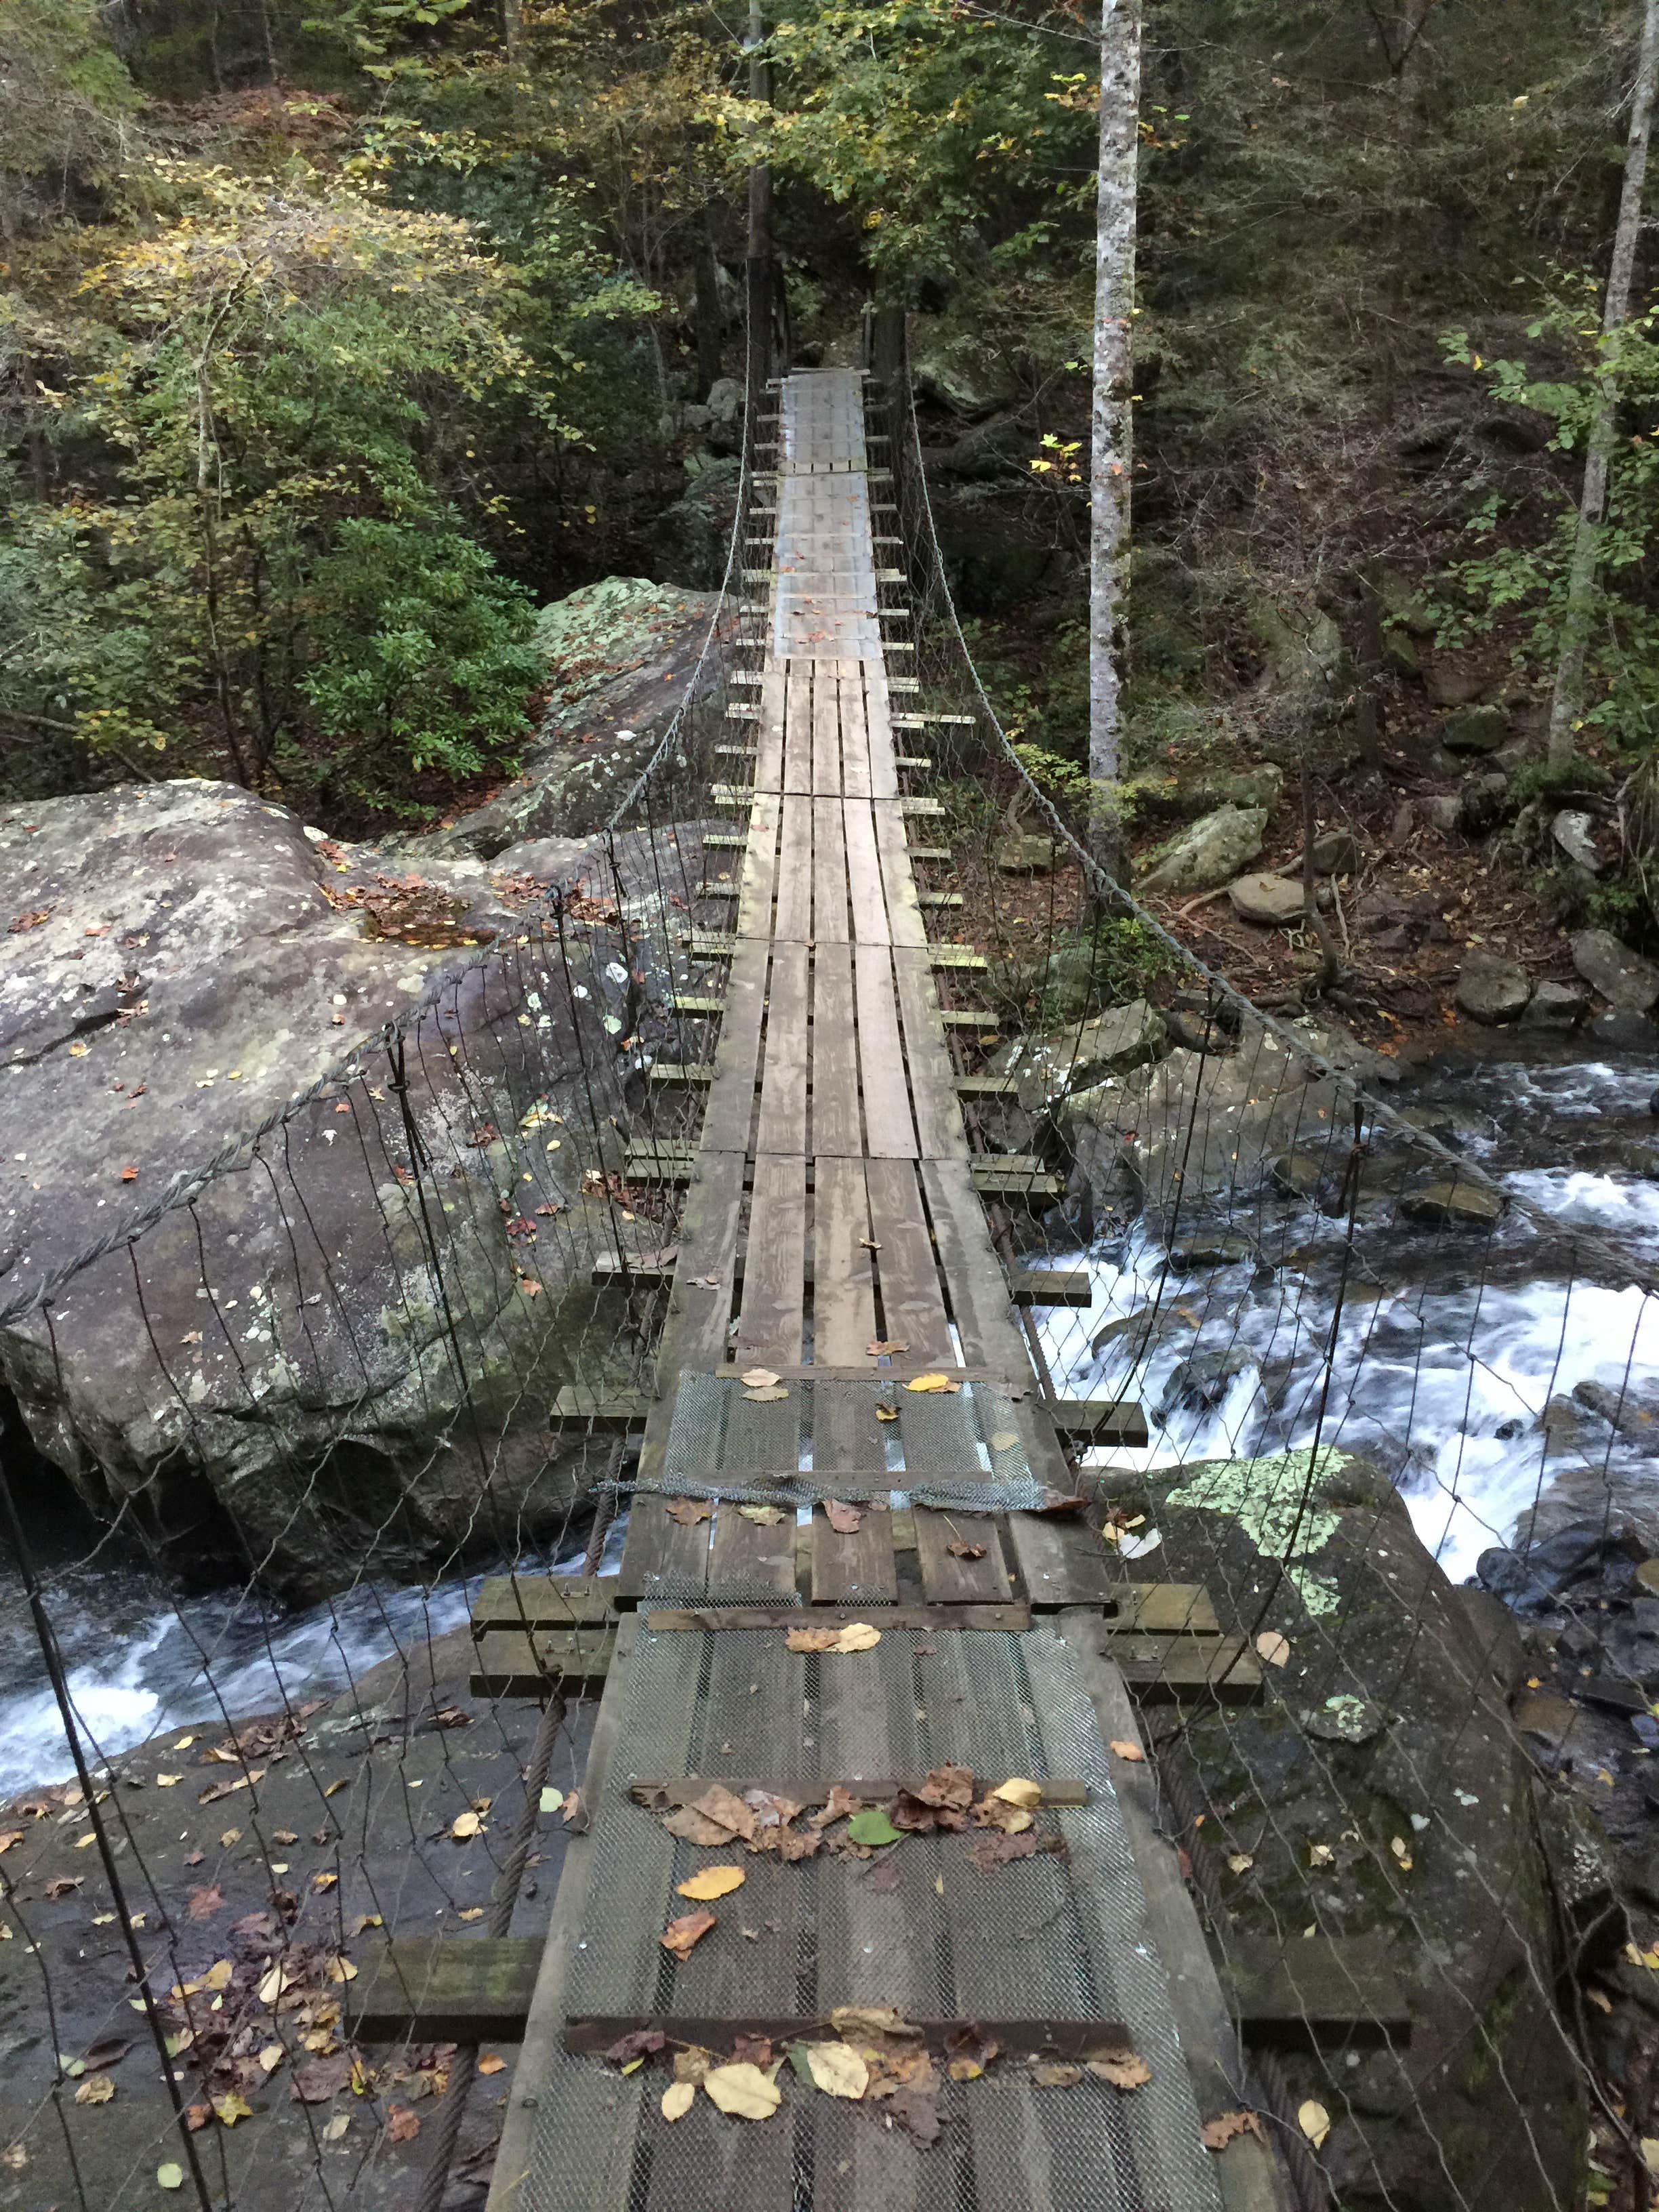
949, 1578
826, 730
1169, 1668
939, 1116
781, 1126
1058, 1789
864, 876
1052, 1286
904, 921
727, 1118
577, 1405
857, 1567
855, 730
509, 1664
771, 1311
1021, 2035
798, 727
1307, 1993
750, 1555
794, 906
700, 1308
889, 1129
1010, 1620
1166, 1609
661, 1552
912, 1301
429, 1988
1120, 1421
758, 875
526, 1601
836, 1118
769, 762
829, 921
844, 1288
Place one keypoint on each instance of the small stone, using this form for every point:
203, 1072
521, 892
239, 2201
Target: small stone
1296, 1174
1025, 855
1549, 1717
1575, 834
1335, 853
1630, 1414
1442, 811
1211, 1252
1474, 730
1555, 1006
1271, 900
1624, 979
1470, 1203
1492, 990
1484, 802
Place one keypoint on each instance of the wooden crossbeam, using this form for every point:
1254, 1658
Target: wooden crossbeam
1101, 1421
1051, 1286
1058, 1789
579, 1406
434, 1989
1004, 1619
1172, 1669
511, 1664
1023, 2036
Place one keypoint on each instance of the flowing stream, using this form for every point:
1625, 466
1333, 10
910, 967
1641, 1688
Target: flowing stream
1442, 1380
1448, 1351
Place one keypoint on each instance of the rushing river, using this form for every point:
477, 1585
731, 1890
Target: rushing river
1444, 1381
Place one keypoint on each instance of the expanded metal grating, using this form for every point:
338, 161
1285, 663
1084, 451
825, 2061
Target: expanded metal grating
1061, 1939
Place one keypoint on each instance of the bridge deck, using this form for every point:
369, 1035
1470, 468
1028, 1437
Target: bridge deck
833, 1150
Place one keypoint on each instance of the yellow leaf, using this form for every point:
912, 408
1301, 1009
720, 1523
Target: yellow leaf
324, 1880
1401, 1852
169, 2175
96, 2089
887, 1413
342, 1970
465, 1824
1131, 1751
218, 1975
858, 1636
713, 1881
233, 2108
1273, 1647
678, 2100
837, 2070
742, 2091
494, 2064
271, 2056
1242, 1862
168, 1781
1314, 2121
1320, 1854
1019, 1791
932, 1382
336, 2127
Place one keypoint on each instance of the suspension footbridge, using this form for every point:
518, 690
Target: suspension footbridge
833, 1160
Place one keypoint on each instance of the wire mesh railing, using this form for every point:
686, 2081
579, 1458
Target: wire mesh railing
331, 1353
1371, 1364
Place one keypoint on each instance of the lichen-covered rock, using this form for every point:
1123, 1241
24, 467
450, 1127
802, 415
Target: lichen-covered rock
1624, 979
1272, 901
332, 1348
1122, 1038
1211, 853
621, 654
1377, 1790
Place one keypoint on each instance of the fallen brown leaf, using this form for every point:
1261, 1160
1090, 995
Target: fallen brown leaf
959, 1550
689, 1511
1220, 2132
1124, 2069
845, 1520
811, 1639
402, 2126
885, 1348
1131, 1751
638, 2043
205, 1903
682, 1935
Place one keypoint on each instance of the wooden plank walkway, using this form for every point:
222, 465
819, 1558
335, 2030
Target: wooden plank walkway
833, 1157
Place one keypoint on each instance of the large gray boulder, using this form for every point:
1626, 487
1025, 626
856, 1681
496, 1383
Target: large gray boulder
333, 1349
1492, 990
1122, 1038
621, 654
1211, 853
1623, 977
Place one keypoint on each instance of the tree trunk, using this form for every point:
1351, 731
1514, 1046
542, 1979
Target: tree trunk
710, 322
513, 30
1566, 707
759, 272
1111, 422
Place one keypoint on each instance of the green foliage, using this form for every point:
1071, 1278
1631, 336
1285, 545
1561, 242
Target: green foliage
1518, 578
1062, 781
424, 655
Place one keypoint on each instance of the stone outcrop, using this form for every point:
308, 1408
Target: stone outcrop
1624, 978
621, 654
1492, 989
271, 1371
1214, 850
